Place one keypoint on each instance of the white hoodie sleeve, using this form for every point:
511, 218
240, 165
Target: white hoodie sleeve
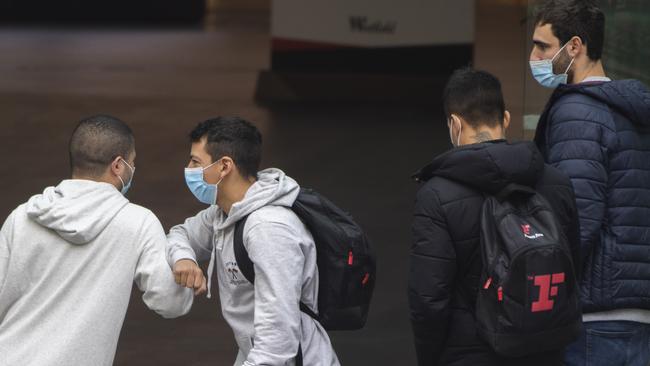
274, 249
192, 239
154, 277
4, 249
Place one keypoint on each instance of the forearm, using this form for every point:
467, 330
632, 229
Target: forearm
192, 239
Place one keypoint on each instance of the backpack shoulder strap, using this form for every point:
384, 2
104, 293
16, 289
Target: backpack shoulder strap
241, 254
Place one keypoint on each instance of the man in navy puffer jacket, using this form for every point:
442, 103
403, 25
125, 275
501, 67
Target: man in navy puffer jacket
597, 131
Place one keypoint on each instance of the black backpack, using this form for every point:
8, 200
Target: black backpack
528, 300
346, 262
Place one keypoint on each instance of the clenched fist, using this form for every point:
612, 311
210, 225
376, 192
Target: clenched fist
188, 274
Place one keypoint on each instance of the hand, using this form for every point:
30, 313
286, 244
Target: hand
188, 274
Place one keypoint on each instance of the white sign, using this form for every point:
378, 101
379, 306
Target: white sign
374, 23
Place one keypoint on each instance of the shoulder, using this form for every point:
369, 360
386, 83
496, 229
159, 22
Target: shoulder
274, 229
578, 99
276, 217
576, 107
442, 191
135, 211
138, 217
18, 214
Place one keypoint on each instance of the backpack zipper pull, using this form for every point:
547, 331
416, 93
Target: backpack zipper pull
487, 283
500, 293
365, 279
350, 258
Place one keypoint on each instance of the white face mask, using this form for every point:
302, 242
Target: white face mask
460, 130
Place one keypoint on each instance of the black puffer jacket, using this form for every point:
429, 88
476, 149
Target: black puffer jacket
445, 254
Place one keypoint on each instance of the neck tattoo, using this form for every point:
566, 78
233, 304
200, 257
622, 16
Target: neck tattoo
482, 136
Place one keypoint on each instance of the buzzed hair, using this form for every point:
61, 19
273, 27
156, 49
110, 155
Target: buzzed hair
96, 142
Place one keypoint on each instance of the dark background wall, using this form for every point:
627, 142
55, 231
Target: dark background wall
163, 80
101, 10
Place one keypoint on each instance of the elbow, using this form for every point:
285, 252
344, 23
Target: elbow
183, 306
175, 305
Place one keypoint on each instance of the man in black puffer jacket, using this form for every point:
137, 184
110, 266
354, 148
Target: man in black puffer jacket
597, 132
445, 254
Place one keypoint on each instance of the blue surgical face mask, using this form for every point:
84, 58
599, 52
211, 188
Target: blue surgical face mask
125, 187
203, 191
543, 71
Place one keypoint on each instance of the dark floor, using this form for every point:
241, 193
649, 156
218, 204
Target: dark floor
162, 82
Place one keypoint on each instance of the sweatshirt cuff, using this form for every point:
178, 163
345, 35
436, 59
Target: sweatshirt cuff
182, 254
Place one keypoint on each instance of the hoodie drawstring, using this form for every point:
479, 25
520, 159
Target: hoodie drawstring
211, 270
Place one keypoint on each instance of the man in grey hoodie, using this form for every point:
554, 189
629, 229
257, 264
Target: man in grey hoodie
266, 319
69, 257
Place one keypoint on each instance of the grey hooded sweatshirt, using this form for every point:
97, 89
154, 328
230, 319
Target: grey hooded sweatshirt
68, 260
266, 319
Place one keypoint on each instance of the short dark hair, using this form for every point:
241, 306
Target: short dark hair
96, 142
234, 137
570, 18
475, 96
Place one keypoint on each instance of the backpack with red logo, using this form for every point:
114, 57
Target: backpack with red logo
345, 259
528, 300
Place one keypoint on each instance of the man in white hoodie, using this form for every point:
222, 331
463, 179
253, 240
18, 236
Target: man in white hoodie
266, 319
69, 257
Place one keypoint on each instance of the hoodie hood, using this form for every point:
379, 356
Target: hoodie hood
272, 188
488, 167
628, 97
78, 210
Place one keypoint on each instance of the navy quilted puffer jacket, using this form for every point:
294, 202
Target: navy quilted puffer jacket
599, 135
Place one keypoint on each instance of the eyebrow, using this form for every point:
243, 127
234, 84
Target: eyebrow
540, 43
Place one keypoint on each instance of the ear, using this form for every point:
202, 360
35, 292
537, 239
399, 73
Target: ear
228, 165
506, 120
116, 166
456, 122
575, 46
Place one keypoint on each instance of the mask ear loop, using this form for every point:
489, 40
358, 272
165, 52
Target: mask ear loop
217, 184
130, 168
569, 67
132, 173
203, 169
558, 52
460, 128
210, 165
220, 179
121, 181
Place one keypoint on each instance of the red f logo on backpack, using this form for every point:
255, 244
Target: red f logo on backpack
546, 290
